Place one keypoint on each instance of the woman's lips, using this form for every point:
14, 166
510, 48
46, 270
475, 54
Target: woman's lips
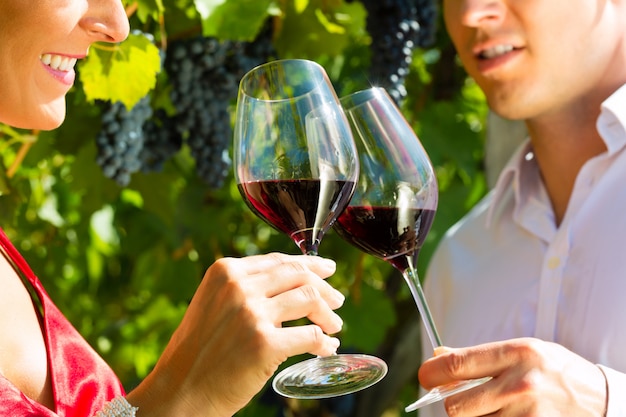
61, 67
66, 77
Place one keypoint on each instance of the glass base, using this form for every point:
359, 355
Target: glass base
329, 376
444, 391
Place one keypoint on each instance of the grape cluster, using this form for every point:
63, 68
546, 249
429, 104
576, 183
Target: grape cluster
204, 74
202, 90
427, 15
162, 140
397, 27
121, 139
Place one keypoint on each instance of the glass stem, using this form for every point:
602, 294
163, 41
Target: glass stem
412, 279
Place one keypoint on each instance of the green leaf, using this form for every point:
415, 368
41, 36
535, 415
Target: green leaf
328, 25
300, 5
238, 20
366, 319
318, 30
125, 73
149, 9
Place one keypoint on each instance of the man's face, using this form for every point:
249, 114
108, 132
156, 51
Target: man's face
535, 57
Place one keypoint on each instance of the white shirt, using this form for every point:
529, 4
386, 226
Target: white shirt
505, 271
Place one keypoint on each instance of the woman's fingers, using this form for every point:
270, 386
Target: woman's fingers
302, 339
276, 273
260, 263
305, 301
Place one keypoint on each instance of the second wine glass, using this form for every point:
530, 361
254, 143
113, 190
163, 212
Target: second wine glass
296, 167
394, 204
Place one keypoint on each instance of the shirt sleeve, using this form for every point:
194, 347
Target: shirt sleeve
616, 385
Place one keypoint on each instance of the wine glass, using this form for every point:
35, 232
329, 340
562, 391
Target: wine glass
394, 204
296, 167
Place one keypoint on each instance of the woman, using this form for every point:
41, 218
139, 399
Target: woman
230, 340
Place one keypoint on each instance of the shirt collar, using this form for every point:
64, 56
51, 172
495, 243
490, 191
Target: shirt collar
509, 180
611, 125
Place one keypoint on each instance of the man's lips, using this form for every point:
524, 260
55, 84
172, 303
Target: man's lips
495, 51
491, 56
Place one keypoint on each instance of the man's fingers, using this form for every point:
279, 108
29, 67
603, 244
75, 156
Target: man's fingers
475, 362
482, 400
489, 359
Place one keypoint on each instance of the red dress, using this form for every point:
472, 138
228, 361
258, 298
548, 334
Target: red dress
81, 381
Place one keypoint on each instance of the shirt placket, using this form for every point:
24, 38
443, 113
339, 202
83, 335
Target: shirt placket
555, 261
535, 215
550, 286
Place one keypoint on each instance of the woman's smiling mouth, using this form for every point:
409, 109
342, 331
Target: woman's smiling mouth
58, 62
61, 67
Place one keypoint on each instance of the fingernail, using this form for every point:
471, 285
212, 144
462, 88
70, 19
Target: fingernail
329, 263
338, 322
338, 297
440, 350
334, 343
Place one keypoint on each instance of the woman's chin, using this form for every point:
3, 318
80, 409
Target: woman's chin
46, 118
53, 116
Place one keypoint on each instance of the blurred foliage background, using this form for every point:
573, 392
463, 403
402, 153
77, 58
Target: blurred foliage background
123, 262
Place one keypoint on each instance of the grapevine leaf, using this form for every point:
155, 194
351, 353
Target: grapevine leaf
207, 7
366, 320
125, 73
328, 25
301, 5
320, 31
89, 181
238, 20
149, 9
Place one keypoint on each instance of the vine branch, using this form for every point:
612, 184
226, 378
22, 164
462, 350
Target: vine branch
27, 143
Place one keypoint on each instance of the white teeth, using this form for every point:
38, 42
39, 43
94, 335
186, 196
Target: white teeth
58, 62
496, 51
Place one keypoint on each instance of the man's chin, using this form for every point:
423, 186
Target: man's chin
507, 112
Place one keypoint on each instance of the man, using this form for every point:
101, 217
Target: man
529, 286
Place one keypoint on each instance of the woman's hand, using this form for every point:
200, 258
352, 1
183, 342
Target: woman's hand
231, 339
530, 378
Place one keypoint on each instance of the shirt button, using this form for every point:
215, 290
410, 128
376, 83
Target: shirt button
553, 262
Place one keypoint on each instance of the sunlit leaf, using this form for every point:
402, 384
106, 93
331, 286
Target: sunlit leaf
300, 5
152, 9
235, 19
125, 72
366, 320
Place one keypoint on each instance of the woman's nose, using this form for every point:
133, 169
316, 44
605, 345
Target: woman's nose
106, 21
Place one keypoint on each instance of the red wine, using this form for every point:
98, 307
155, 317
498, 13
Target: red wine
303, 209
385, 232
